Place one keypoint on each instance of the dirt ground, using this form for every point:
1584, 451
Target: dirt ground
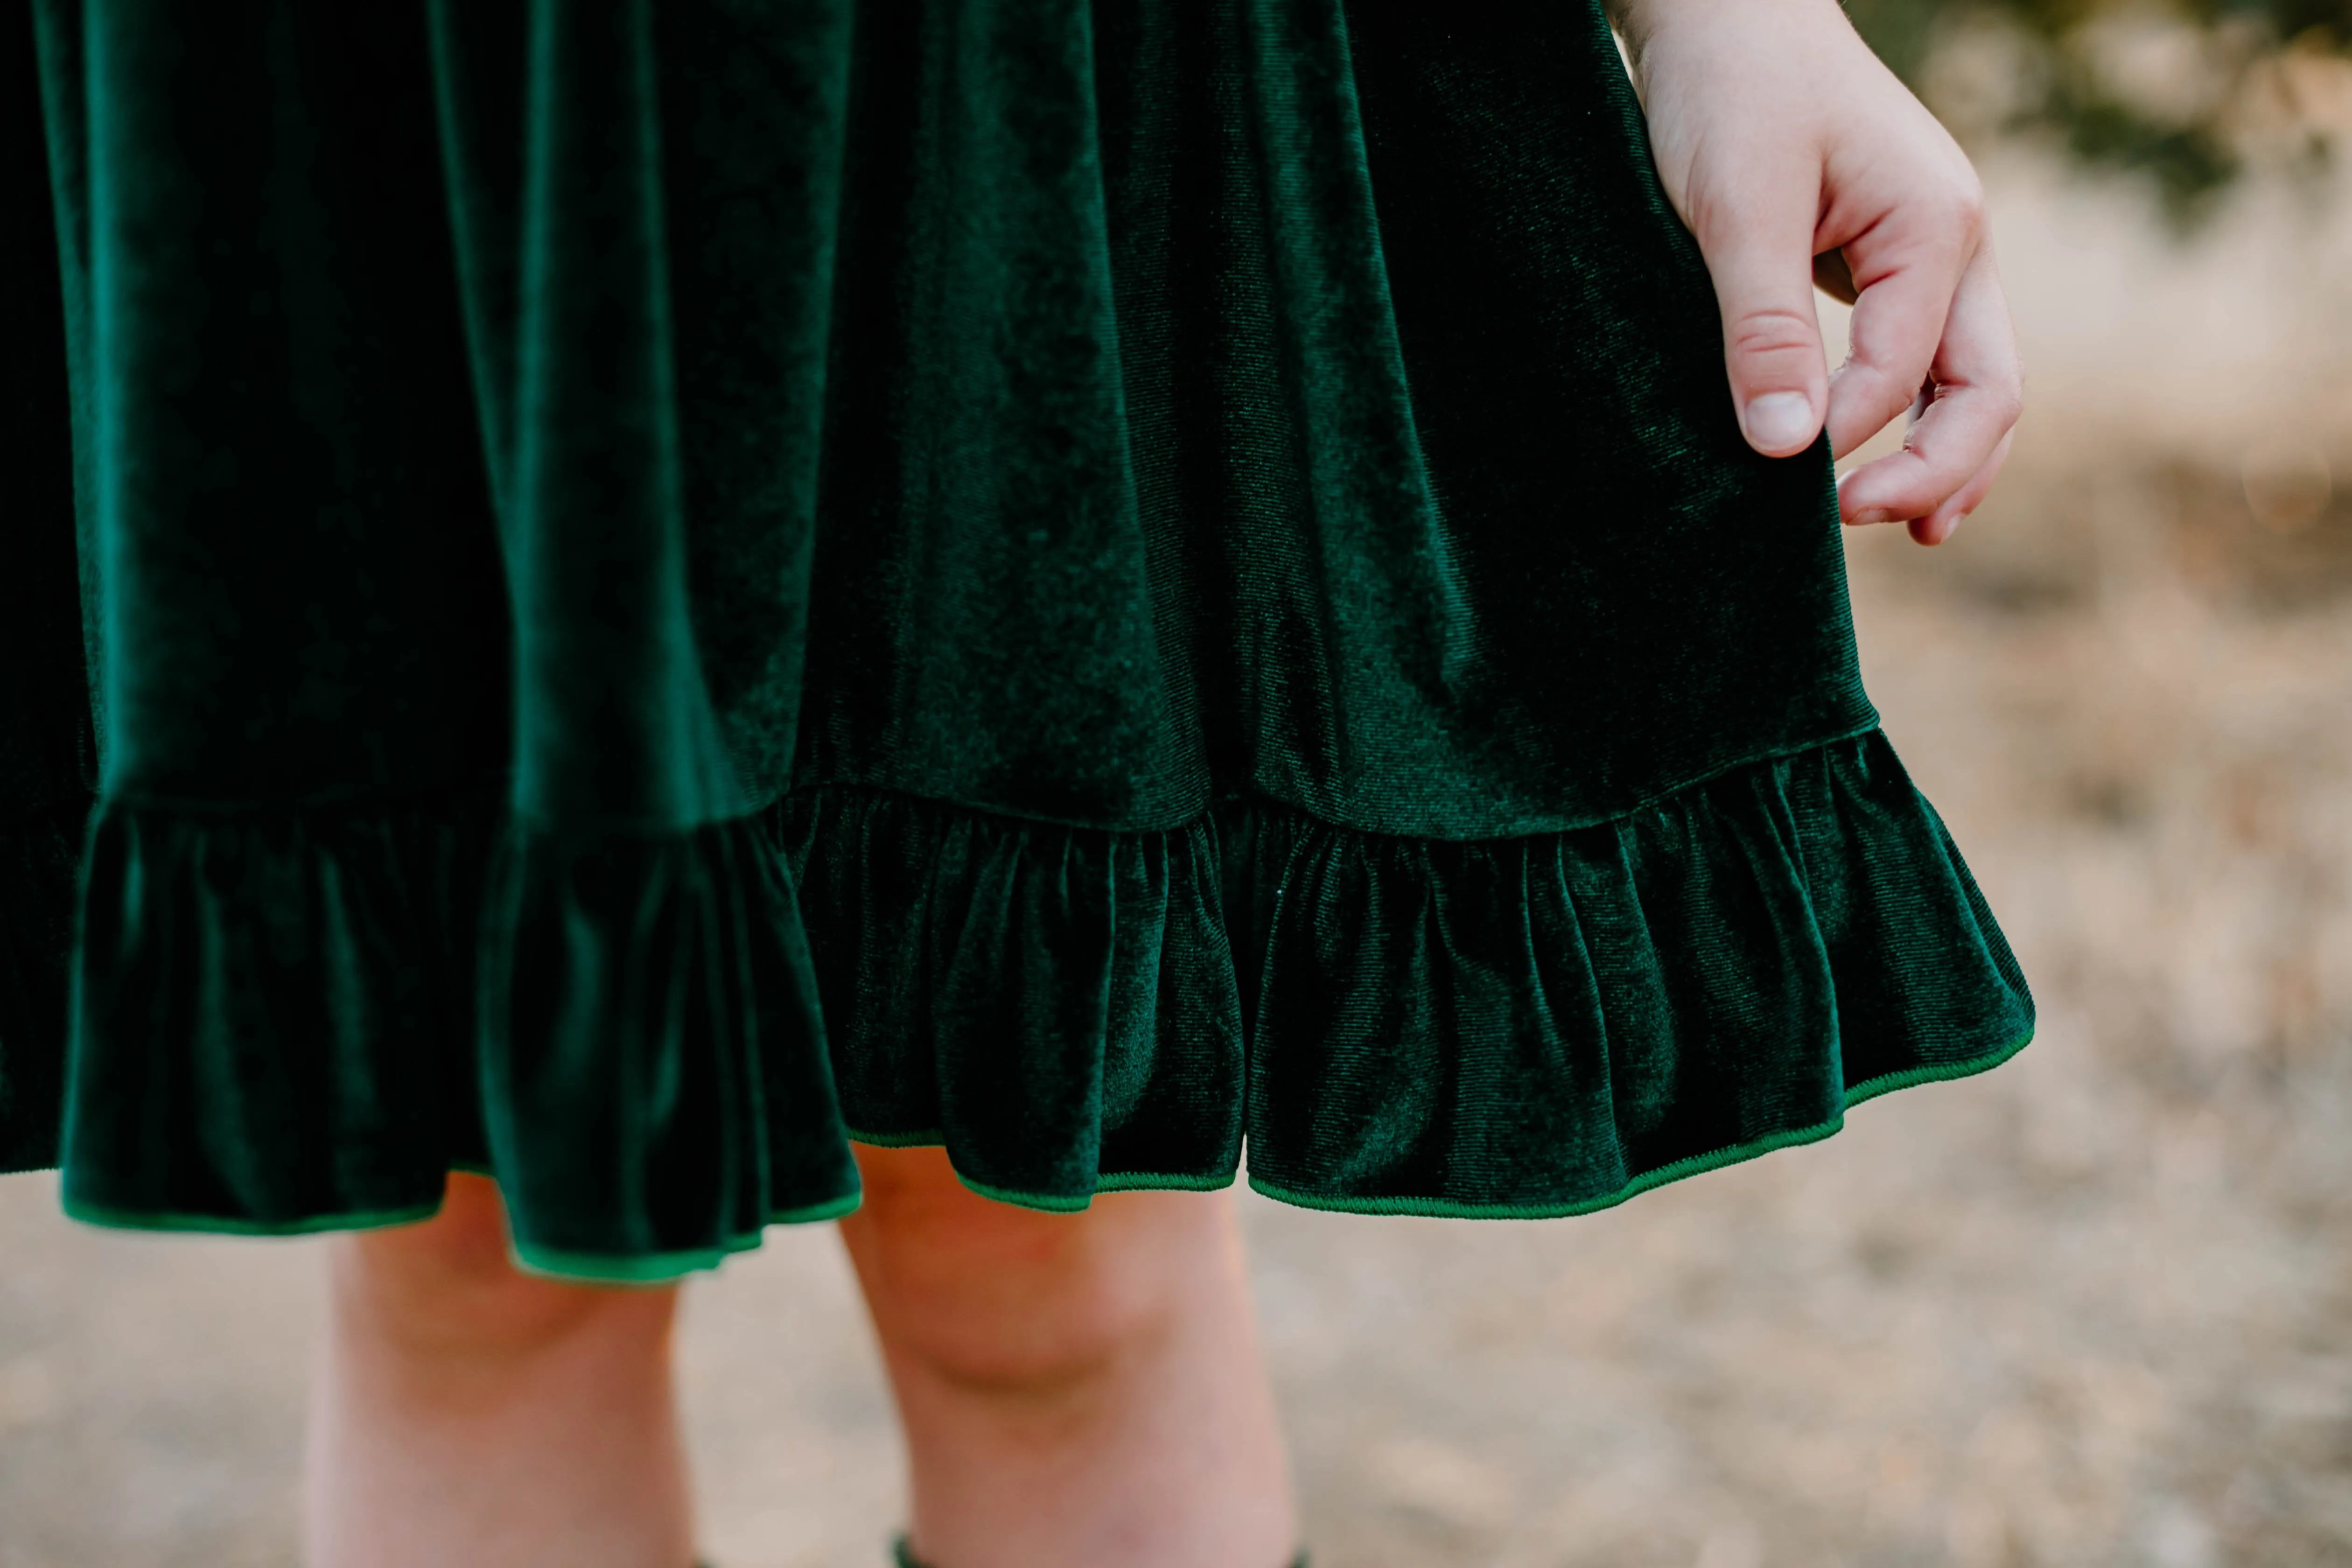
2094, 1309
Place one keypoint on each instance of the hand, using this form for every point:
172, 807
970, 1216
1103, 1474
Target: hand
1794, 155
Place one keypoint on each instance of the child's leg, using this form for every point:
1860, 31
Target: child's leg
467, 1415
1079, 1390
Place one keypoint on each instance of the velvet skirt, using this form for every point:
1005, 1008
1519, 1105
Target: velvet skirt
624, 595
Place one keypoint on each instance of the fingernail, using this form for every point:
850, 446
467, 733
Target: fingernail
1864, 518
1780, 419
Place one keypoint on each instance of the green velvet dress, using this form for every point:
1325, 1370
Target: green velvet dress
622, 594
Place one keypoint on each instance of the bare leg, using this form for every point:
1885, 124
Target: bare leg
471, 1416
1077, 1390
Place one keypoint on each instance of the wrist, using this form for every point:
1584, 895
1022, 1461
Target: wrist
1640, 23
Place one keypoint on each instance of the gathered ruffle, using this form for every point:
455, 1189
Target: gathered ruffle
273, 1015
1057, 1005
1523, 1026
303, 1021
1547, 1025
294, 1022
653, 1081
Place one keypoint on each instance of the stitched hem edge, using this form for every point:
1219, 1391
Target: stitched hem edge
110, 1216
661, 1267
1695, 1164
1055, 1202
548, 1262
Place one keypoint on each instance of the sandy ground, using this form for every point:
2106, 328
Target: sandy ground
2094, 1309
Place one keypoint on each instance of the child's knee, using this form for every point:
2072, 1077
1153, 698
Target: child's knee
448, 1286
991, 1295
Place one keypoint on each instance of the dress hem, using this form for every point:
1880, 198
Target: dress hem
1691, 1165
654, 1269
1451, 1025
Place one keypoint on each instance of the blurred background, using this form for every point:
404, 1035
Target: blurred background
2094, 1309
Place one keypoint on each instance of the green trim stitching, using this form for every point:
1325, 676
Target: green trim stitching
1162, 1182
1695, 1164
1049, 1203
1055, 1203
624, 1269
547, 1262
930, 1139
666, 1267
662, 1268
110, 1217
1115, 1182
1871, 1089
817, 1214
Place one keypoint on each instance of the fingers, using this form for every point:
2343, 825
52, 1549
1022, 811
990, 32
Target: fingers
1963, 431
1907, 265
1937, 525
1758, 245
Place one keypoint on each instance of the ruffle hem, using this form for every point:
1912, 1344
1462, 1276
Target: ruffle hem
1517, 1028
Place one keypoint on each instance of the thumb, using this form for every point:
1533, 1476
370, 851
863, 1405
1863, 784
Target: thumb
1759, 248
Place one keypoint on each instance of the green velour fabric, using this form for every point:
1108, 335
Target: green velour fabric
641, 590
1535, 1025
47, 759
